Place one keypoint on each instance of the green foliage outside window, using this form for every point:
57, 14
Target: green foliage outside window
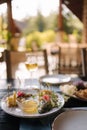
40, 38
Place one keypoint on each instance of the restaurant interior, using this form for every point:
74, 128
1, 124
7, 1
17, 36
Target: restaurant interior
45, 89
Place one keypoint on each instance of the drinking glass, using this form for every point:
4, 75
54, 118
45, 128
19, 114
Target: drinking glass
31, 65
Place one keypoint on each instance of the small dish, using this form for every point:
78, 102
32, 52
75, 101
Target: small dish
28, 106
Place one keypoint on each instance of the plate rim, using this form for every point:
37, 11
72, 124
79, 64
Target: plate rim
67, 111
54, 76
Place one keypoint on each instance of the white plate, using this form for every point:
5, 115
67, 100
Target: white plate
16, 111
71, 120
55, 79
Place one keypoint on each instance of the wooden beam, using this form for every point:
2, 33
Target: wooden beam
60, 24
11, 26
3, 1
84, 37
76, 7
60, 17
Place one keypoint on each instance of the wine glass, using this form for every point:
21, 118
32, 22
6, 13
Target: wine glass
31, 65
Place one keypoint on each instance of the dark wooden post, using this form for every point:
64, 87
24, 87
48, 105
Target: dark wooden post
13, 30
60, 17
11, 25
84, 38
60, 23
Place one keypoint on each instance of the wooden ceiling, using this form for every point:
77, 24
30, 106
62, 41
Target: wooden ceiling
76, 6
3, 1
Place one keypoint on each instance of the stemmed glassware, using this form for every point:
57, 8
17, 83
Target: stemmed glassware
31, 64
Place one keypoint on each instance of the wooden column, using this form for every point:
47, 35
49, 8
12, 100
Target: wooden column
60, 17
11, 25
12, 29
60, 23
84, 37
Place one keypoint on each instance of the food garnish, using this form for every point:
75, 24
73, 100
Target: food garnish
46, 97
79, 85
11, 100
48, 100
20, 94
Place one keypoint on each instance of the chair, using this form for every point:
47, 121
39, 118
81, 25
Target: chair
84, 61
15, 58
1, 56
2, 65
69, 60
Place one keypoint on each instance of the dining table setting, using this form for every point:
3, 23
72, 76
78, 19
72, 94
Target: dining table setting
53, 102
